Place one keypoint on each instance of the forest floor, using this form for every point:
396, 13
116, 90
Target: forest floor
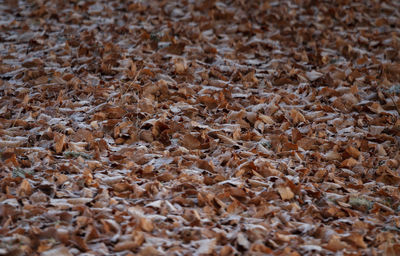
199, 127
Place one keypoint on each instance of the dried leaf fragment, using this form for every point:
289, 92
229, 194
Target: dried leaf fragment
349, 162
59, 141
353, 152
146, 224
285, 192
357, 239
335, 244
149, 251
332, 155
191, 142
242, 241
313, 75
259, 247
135, 242
381, 150
207, 246
180, 66
24, 188
126, 245
266, 119
296, 116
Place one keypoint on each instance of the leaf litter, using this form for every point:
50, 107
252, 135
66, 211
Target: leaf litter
199, 128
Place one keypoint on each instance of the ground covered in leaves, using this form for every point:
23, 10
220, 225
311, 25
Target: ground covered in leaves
199, 127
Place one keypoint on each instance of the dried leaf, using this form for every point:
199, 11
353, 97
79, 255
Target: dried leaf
296, 116
24, 188
356, 239
146, 224
191, 142
285, 193
349, 163
207, 246
59, 141
353, 152
242, 240
313, 75
126, 245
335, 244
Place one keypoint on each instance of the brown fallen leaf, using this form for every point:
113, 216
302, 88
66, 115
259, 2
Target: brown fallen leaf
380, 150
59, 141
24, 188
180, 66
285, 192
296, 116
266, 119
332, 155
227, 250
335, 244
259, 247
349, 163
146, 224
126, 245
191, 142
357, 239
353, 152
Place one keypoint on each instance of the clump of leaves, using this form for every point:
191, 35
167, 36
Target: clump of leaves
19, 172
360, 203
73, 154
